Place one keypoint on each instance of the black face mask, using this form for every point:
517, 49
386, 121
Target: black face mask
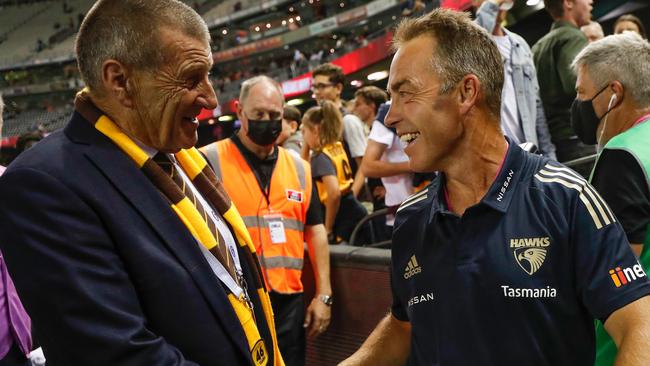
584, 119
264, 132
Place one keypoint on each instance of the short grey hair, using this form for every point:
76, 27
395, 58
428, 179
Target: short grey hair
462, 48
595, 26
126, 31
624, 57
248, 84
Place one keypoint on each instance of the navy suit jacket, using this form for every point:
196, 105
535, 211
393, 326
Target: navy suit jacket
108, 273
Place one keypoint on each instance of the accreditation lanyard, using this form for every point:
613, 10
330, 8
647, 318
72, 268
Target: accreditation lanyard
219, 270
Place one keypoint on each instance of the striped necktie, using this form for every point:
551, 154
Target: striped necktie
220, 251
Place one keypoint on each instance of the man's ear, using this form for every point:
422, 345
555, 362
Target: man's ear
568, 4
294, 126
468, 90
339, 87
240, 114
619, 91
115, 80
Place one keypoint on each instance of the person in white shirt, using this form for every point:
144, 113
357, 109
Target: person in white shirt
385, 159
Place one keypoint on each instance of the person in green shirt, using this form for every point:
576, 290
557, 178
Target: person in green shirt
612, 110
552, 55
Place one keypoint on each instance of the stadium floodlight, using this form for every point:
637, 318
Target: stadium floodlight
226, 118
284, 22
224, 32
298, 18
296, 101
379, 75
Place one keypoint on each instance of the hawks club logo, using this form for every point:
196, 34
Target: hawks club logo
530, 253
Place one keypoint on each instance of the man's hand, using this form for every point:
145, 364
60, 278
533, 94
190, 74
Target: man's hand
317, 318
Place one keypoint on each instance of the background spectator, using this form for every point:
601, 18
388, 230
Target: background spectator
522, 114
593, 31
290, 138
553, 55
322, 128
631, 23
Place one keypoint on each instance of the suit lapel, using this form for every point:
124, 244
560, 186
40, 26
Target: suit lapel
127, 178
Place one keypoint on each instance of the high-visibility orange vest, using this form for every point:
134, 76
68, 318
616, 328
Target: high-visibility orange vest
336, 153
289, 197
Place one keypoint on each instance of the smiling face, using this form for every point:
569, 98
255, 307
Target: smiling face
427, 121
167, 100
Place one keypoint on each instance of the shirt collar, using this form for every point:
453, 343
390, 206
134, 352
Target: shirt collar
642, 119
501, 191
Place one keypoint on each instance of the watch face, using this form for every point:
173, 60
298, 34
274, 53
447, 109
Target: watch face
327, 300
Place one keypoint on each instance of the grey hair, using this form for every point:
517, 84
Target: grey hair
126, 31
463, 48
624, 57
593, 25
248, 84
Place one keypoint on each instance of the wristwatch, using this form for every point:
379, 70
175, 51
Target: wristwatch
326, 299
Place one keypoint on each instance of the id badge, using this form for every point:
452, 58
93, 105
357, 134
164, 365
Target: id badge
276, 228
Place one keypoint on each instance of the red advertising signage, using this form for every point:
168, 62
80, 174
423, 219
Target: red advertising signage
456, 4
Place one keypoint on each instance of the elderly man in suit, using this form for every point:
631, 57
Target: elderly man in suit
123, 244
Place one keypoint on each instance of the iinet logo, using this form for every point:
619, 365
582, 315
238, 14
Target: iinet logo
622, 277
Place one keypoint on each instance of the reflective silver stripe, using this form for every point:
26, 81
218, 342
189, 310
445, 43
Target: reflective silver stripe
282, 262
257, 221
300, 169
213, 158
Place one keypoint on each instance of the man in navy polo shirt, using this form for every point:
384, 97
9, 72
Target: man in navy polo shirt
507, 257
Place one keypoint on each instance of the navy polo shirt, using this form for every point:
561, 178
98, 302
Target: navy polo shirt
519, 278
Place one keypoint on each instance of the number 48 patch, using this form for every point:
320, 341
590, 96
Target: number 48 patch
258, 353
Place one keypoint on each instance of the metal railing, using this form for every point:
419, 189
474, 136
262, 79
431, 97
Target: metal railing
581, 161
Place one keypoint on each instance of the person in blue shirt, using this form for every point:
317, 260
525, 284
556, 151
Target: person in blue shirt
506, 258
522, 113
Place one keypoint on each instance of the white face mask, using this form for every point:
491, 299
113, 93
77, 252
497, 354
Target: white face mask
600, 136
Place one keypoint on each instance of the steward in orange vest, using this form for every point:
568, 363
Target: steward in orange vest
274, 216
272, 189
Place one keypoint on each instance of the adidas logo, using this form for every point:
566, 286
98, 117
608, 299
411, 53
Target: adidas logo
412, 268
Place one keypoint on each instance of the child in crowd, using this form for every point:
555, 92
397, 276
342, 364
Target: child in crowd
322, 130
290, 138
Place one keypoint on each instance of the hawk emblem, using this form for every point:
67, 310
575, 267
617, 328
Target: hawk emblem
530, 259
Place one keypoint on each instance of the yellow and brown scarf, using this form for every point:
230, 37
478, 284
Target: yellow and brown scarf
211, 188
